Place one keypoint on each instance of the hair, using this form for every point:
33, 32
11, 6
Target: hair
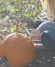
50, 5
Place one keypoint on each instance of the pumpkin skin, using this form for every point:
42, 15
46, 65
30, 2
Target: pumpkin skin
19, 50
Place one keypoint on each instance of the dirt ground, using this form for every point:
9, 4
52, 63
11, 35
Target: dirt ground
43, 58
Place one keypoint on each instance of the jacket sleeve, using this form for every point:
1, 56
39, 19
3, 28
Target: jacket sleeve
43, 26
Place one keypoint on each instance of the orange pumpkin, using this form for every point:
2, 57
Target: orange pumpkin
18, 49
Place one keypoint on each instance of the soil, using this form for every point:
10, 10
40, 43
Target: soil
43, 58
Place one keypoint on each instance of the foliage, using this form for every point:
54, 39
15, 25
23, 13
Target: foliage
24, 9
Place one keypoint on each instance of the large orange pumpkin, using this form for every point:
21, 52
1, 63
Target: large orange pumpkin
18, 49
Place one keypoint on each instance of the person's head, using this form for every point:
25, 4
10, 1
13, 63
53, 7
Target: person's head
50, 5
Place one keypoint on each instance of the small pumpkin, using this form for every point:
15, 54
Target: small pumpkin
18, 50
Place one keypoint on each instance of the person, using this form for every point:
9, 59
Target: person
42, 31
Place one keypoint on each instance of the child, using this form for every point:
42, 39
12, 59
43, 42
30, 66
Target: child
47, 39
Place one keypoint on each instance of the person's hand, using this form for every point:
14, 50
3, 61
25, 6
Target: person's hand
33, 31
37, 33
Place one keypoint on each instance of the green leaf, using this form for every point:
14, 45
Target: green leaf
39, 4
34, 0
35, 18
13, 30
12, 0
17, 10
0, 16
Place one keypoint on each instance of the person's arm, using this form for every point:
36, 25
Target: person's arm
37, 33
43, 26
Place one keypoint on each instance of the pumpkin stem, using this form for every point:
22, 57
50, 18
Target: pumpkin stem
3, 60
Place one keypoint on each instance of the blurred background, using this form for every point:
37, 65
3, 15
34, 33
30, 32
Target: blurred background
17, 13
